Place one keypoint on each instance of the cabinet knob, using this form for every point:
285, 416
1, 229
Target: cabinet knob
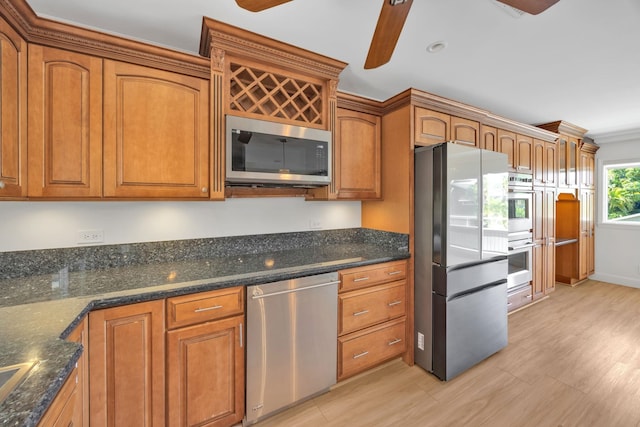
1, 184
204, 189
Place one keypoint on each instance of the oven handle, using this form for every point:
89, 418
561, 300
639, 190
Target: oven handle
517, 248
520, 190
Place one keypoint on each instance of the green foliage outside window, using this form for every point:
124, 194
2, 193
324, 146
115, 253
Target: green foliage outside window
623, 191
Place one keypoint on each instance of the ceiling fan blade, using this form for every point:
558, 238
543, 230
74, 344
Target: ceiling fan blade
259, 5
392, 17
532, 7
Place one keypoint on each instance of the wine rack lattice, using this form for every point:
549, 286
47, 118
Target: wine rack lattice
273, 95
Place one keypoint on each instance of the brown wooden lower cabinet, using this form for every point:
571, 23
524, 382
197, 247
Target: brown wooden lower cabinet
62, 412
205, 374
126, 365
372, 308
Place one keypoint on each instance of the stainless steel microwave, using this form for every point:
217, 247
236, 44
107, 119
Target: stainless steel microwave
262, 152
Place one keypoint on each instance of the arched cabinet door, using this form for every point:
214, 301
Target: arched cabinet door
156, 133
65, 124
13, 113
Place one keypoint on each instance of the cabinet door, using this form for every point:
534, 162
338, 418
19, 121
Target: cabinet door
507, 145
539, 153
65, 124
357, 163
80, 335
587, 166
549, 218
62, 411
489, 138
13, 113
538, 273
156, 133
562, 161
431, 127
126, 365
205, 374
466, 132
524, 154
550, 169
573, 154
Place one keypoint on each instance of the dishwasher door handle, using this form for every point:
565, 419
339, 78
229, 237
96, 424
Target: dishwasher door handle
288, 291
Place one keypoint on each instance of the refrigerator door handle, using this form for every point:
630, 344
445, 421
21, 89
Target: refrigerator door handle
478, 289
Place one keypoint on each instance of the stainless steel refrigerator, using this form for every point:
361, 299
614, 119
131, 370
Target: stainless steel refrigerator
461, 227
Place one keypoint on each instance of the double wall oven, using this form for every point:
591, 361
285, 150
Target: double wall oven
520, 254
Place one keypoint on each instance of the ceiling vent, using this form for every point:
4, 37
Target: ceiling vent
510, 10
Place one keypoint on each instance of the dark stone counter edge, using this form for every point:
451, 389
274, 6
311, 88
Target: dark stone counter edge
41, 406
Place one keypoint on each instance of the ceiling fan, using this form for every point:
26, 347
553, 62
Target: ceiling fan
391, 20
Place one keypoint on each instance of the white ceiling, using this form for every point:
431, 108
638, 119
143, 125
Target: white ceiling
578, 61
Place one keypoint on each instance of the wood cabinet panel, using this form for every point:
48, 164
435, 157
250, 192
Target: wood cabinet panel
205, 374
370, 306
550, 170
13, 113
544, 235
156, 133
65, 124
539, 162
204, 306
372, 346
587, 170
62, 411
489, 138
464, 131
524, 154
357, 140
431, 127
127, 365
80, 335
507, 145
362, 277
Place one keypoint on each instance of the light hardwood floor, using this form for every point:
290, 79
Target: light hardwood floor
572, 360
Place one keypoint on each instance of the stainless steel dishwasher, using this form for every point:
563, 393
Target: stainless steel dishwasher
291, 342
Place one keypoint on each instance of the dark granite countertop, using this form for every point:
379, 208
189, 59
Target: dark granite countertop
38, 311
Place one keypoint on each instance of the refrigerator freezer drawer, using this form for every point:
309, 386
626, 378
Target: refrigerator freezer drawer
468, 329
451, 282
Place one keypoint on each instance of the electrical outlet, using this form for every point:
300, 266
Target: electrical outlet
315, 224
420, 341
90, 236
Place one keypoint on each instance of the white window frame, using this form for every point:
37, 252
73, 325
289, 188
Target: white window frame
603, 199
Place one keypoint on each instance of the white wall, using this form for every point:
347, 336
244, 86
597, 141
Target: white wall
617, 247
46, 225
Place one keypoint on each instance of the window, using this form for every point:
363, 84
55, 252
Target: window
622, 184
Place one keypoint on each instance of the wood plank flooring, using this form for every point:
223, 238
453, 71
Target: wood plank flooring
572, 360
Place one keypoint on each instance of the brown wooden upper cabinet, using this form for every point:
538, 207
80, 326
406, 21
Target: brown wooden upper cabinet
489, 138
464, 131
13, 113
431, 127
545, 163
65, 124
156, 133
587, 169
356, 148
524, 154
507, 145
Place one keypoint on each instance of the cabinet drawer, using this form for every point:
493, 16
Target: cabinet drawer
204, 306
370, 306
362, 277
519, 298
365, 349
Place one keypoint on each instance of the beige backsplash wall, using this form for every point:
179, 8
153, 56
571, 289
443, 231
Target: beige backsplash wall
46, 225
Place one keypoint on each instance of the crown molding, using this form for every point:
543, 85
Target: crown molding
627, 135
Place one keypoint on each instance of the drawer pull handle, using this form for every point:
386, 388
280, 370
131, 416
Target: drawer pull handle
357, 356
361, 279
391, 304
200, 310
360, 313
396, 341
509, 303
394, 273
